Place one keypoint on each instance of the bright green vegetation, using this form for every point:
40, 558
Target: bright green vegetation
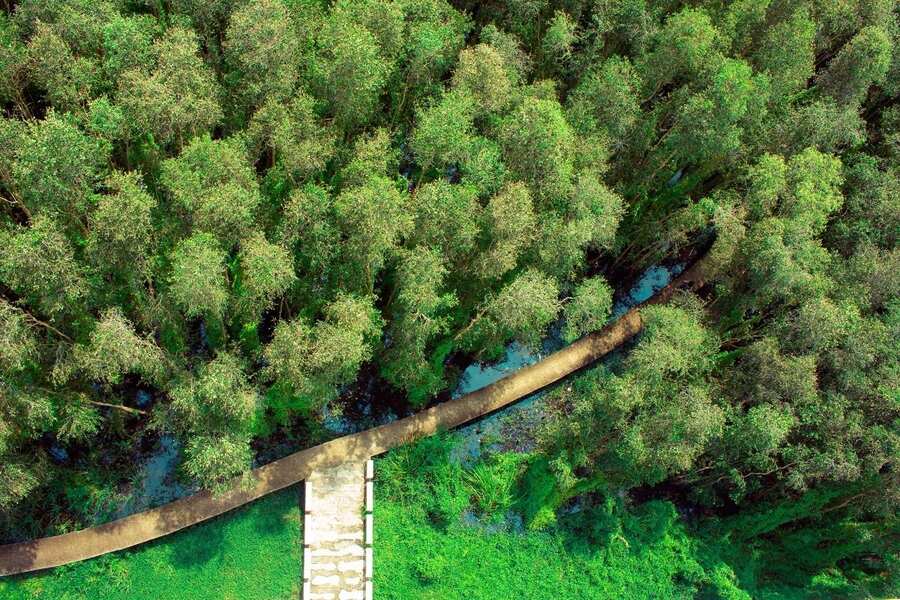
252, 553
253, 212
610, 549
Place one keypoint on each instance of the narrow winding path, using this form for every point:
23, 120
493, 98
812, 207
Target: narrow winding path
354, 449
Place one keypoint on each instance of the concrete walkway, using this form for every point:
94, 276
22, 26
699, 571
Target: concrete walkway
337, 533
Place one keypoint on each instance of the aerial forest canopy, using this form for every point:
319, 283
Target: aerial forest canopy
219, 218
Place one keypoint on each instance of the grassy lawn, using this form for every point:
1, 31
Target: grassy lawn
249, 554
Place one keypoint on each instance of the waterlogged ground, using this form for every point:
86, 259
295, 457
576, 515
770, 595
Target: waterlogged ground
512, 427
156, 483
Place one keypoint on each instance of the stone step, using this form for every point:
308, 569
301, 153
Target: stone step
336, 522
348, 550
332, 535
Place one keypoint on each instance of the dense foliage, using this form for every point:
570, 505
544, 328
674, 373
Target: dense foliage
234, 208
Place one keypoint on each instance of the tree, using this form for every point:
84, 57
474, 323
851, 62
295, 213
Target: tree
607, 100
520, 311
871, 214
106, 120
216, 398
299, 145
39, 264
813, 193
647, 423
128, 45
509, 227
766, 182
13, 58
784, 264
215, 410
197, 280
57, 168
114, 349
17, 482
214, 182
482, 166
708, 125
559, 246
597, 209
177, 99
483, 76
121, 226
515, 59
589, 308
213, 460
384, 19
686, 45
559, 40
538, 146
443, 132
80, 23
435, 34
313, 360
310, 225
821, 124
373, 219
864, 61
786, 54
262, 52
18, 343
349, 73
446, 219
419, 316
372, 155
743, 21
208, 17
266, 273
66, 79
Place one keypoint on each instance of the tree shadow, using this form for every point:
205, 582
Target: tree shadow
196, 547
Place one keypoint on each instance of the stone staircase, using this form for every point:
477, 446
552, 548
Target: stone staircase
337, 530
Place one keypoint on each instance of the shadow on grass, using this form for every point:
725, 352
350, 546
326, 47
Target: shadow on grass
200, 546
272, 522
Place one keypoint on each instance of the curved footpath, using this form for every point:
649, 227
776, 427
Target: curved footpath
152, 524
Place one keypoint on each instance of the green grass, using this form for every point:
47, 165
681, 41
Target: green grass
424, 550
249, 554
416, 560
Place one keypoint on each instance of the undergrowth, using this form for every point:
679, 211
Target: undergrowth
446, 531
